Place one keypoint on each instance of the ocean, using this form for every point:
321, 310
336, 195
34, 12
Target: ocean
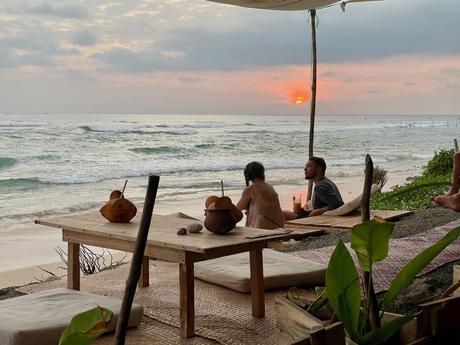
59, 164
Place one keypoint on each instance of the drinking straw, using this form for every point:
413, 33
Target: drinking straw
123, 190
276, 223
222, 186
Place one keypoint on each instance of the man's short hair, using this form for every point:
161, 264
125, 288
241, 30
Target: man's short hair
319, 162
254, 170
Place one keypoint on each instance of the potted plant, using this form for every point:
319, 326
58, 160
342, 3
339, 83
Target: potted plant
362, 317
350, 302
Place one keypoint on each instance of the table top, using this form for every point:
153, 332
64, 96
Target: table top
347, 221
163, 231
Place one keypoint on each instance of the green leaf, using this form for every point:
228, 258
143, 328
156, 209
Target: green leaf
416, 265
85, 327
320, 301
342, 284
382, 334
370, 242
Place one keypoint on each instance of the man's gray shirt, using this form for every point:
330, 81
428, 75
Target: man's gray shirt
326, 194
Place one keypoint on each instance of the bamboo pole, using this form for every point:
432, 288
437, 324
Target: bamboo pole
313, 94
136, 262
373, 308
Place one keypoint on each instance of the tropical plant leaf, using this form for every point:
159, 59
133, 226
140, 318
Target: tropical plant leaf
85, 327
342, 284
320, 301
370, 242
382, 334
416, 265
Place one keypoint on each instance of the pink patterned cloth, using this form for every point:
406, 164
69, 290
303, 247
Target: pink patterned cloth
401, 250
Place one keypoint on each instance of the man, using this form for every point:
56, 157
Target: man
452, 198
326, 195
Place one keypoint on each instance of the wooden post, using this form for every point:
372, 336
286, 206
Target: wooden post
136, 263
144, 278
187, 298
373, 307
73, 266
456, 145
313, 95
257, 282
365, 202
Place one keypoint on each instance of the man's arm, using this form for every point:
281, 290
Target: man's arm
318, 211
328, 197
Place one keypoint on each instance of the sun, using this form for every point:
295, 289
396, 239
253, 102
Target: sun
299, 100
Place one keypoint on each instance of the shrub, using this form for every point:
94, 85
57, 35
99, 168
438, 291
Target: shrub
441, 164
416, 194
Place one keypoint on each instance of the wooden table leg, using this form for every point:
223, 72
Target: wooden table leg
144, 278
257, 282
73, 266
187, 299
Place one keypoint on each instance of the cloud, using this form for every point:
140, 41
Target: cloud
48, 9
83, 38
449, 71
268, 38
31, 43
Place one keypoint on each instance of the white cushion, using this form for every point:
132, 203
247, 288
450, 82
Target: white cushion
351, 205
40, 318
280, 270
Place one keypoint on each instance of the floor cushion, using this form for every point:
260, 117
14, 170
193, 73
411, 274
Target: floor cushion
280, 270
351, 205
40, 318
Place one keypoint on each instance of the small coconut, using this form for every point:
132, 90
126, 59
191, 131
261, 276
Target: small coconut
224, 203
182, 231
116, 194
210, 200
194, 228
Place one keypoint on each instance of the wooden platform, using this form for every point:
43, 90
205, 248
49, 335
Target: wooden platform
343, 222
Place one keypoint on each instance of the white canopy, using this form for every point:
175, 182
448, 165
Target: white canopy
282, 5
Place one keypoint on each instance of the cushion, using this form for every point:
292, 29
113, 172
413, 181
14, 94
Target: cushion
40, 318
351, 205
280, 270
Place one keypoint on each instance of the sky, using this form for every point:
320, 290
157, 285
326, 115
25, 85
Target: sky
200, 57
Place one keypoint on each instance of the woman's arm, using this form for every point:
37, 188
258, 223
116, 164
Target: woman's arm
243, 204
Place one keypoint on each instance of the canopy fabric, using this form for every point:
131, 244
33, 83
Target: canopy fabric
281, 5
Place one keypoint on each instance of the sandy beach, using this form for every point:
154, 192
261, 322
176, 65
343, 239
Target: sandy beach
29, 246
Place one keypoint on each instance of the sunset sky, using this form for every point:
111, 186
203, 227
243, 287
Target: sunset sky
199, 57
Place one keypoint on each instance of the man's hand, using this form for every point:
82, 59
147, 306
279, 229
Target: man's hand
318, 211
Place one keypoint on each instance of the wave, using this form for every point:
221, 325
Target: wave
83, 207
113, 128
23, 123
6, 162
22, 183
281, 131
205, 146
179, 131
134, 129
49, 157
156, 150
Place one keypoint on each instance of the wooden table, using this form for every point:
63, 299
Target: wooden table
163, 243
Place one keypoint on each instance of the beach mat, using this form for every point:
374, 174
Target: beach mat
222, 315
401, 250
346, 222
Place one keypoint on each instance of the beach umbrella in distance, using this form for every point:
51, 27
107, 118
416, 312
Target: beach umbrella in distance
299, 5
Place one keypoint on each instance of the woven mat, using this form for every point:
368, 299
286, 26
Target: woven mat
400, 251
220, 314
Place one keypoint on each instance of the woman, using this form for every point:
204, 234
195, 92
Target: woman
260, 200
